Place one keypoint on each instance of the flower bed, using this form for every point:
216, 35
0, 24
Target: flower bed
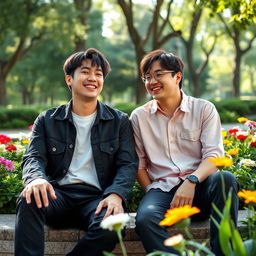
239, 145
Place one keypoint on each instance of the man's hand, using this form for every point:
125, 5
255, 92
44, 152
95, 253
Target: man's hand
39, 188
113, 202
184, 194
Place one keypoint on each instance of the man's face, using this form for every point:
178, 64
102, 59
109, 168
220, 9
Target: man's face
161, 83
87, 81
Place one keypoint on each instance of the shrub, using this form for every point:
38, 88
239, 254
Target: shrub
126, 107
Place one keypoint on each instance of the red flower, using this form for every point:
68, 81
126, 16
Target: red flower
242, 137
253, 144
4, 139
11, 148
233, 131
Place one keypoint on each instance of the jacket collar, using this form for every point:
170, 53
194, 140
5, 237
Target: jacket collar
65, 112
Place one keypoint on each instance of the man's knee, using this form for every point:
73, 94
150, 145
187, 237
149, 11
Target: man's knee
228, 178
146, 216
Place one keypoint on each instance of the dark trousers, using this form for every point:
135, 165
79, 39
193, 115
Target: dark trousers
74, 207
156, 202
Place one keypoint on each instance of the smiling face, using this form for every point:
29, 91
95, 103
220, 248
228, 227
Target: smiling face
87, 81
162, 84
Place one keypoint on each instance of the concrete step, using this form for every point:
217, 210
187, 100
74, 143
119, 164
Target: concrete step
60, 242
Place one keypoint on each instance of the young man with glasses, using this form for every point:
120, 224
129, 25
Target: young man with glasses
80, 165
175, 135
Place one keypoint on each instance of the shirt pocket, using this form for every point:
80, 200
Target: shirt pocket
190, 135
109, 147
55, 147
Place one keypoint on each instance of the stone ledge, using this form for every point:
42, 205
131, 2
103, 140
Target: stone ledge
60, 242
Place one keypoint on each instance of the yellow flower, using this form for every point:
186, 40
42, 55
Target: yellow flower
175, 215
25, 142
227, 142
221, 161
233, 151
224, 133
242, 119
248, 195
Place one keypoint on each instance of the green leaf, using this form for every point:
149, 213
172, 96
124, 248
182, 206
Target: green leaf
250, 247
200, 246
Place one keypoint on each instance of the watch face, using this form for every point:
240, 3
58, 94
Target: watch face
193, 179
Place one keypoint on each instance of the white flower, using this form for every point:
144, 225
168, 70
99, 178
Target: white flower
174, 240
247, 162
2, 147
115, 222
244, 133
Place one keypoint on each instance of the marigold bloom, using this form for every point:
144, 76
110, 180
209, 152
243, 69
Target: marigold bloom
25, 142
175, 215
224, 133
221, 162
233, 151
248, 195
227, 142
242, 119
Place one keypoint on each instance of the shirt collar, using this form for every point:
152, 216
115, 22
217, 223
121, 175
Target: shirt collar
184, 105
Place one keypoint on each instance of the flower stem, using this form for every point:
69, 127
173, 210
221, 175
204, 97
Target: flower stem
121, 242
223, 186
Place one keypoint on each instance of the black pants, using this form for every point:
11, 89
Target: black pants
74, 207
156, 202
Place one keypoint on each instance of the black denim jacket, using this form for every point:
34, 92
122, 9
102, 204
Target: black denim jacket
50, 151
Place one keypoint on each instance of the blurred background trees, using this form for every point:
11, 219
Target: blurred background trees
215, 38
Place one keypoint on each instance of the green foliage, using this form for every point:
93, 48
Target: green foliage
232, 108
19, 117
135, 198
126, 107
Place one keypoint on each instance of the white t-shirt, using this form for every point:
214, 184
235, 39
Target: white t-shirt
82, 168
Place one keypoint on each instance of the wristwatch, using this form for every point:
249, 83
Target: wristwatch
193, 179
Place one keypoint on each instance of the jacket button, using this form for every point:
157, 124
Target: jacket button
71, 146
54, 149
111, 149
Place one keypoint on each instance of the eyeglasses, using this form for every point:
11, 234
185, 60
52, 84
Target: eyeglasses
158, 75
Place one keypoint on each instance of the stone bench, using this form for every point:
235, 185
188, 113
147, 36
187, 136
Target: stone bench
60, 242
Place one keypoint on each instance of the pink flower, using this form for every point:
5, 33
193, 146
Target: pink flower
30, 127
8, 164
250, 124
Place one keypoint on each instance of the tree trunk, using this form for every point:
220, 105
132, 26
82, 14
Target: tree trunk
3, 100
140, 87
236, 74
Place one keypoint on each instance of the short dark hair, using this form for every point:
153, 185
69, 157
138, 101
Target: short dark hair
76, 59
167, 60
